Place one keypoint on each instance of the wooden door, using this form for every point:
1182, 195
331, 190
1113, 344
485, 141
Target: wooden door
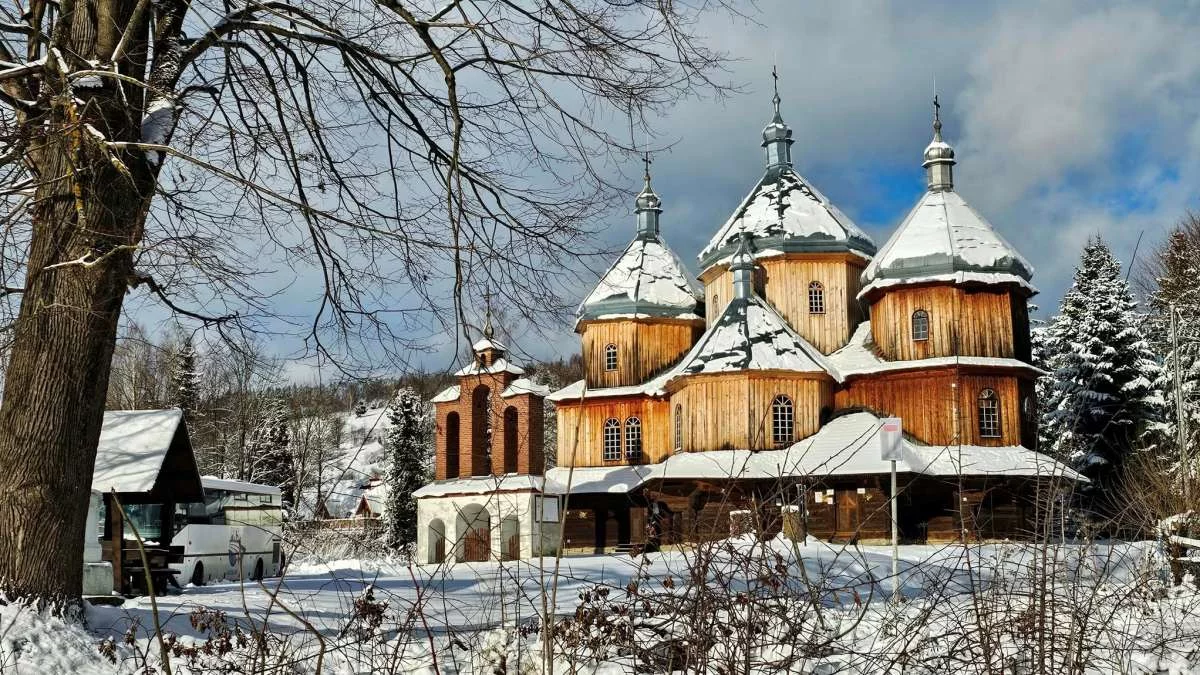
847, 513
439, 550
477, 545
512, 547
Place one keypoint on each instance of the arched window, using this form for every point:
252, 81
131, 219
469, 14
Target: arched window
610, 357
678, 426
816, 298
920, 325
989, 414
783, 421
612, 440
452, 451
633, 439
511, 436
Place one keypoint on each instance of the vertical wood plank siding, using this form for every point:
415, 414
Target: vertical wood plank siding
785, 281
963, 322
644, 349
734, 411
587, 419
925, 401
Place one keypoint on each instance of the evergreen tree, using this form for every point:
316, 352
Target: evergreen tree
408, 452
271, 461
185, 379
1177, 285
1040, 357
1101, 397
360, 408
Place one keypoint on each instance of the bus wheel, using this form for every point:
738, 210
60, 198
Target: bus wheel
258, 571
198, 574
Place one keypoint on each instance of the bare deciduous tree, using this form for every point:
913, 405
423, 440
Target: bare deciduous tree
409, 153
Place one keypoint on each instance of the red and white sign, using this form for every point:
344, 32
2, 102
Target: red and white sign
890, 436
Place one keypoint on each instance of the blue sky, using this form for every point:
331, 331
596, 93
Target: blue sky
1069, 119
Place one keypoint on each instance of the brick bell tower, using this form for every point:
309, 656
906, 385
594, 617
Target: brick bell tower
491, 422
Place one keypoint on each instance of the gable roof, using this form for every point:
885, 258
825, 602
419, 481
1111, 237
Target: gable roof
943, 239
648, 279
750, 335
146, 451
785, 213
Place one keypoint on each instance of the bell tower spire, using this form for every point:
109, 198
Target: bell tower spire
648, 205
939, 156
777, 135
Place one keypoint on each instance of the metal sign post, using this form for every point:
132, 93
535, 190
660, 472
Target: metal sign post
890, 437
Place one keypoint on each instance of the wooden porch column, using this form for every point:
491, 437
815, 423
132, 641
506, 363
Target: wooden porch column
114, 527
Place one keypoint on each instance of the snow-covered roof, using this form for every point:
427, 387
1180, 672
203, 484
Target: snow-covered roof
577, 390
478, 485
750, 335
648, 279
785, 213
847, 446
488, 343
524, 385
859, 357
500, 365
943, 235
446, 395
596, 479
214, 483
133, 447
956, 278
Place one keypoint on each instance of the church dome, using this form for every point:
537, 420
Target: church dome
943, 239
648, 280
784, 212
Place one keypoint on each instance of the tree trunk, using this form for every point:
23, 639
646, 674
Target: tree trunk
88, 216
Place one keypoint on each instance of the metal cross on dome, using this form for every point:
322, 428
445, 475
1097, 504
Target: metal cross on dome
775, 76
646, 162
488, 330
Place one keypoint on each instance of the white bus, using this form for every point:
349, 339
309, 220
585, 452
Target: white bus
233, 535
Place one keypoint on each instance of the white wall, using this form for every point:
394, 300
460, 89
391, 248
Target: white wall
535, 538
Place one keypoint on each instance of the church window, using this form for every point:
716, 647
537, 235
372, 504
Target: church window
920, 325
633, 439
816, 298
783, 421
678, 426
610, 357
989, 414
612, 440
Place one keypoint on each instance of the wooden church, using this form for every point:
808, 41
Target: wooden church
753, 400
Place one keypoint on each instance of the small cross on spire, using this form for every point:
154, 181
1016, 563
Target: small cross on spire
937, 115
646, 162
775, 76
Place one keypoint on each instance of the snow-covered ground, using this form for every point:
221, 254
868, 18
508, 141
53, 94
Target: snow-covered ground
962, 603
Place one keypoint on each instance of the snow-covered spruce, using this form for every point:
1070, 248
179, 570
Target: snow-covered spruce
1102, 397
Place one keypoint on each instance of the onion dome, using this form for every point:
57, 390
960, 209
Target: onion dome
784, 211
944, 239
648, 207
939, 156
648, 280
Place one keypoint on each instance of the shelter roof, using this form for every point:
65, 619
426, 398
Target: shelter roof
146, 451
